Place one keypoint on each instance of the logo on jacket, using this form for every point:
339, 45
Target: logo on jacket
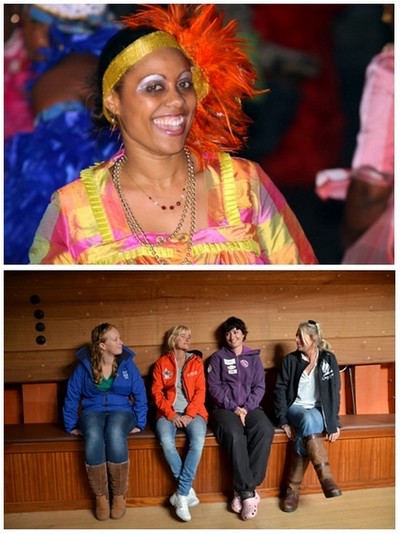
326, 370
230, 364
125, 374
167, 374
244, 363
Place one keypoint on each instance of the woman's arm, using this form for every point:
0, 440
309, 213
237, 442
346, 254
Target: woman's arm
72, 399
50, 245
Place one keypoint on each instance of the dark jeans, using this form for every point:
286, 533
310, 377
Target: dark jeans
105, 436
248, 446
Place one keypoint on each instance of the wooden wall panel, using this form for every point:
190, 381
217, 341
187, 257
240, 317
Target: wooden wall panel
13, 411
40, 403
374, 391
356, 309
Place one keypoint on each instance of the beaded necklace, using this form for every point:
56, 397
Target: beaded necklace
189, 205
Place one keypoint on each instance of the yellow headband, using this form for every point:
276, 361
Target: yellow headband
137, 51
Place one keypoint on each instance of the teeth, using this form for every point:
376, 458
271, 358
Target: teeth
169, 122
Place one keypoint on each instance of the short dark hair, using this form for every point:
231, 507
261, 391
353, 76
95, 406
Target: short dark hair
234, 322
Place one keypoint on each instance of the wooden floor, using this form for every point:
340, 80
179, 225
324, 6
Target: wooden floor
360, 509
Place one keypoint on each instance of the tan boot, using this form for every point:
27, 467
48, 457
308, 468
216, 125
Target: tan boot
98, 481
319, 457
119, 474
297, 469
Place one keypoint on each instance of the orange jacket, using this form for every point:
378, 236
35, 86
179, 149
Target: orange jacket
163, 388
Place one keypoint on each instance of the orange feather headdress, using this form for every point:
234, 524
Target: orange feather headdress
225, 72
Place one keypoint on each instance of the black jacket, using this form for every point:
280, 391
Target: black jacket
287, 384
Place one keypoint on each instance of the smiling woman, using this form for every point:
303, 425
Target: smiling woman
179, 393
172, 194
99, 406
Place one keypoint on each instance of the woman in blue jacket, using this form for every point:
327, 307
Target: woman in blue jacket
105, 401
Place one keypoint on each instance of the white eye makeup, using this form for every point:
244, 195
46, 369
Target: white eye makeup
157, 82
151, 83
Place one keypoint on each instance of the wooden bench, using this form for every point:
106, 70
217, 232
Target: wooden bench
44, 466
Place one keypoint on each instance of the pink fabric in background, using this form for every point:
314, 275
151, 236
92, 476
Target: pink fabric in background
17, 113
374, 151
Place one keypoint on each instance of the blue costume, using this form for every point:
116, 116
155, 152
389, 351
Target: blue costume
64, 142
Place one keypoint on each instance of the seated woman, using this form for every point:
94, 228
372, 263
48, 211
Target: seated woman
307, 403
178, 390
236, 385
108, 386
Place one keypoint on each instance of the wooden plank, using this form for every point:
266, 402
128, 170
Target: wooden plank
56, 365
44, 476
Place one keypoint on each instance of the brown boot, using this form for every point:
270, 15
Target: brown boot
319, 457
119, 474
297, 468
98, 481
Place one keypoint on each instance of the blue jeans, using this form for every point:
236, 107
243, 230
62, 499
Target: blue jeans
105, 435
183, 471
305, 421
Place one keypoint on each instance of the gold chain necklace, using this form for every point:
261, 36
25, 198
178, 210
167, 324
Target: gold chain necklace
190, 205
164, 207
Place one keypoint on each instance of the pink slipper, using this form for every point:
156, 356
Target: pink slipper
249, 507
236, 503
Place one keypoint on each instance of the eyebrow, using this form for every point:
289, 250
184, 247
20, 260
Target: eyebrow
158, 75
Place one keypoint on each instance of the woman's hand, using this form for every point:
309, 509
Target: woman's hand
334, 437
241, 413
177, 421
185, 419
76, 432
289, 431
135, 430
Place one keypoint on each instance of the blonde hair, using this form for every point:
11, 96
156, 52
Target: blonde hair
313, 329
99, 334
172, 334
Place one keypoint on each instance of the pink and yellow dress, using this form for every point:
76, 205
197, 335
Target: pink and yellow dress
249, 223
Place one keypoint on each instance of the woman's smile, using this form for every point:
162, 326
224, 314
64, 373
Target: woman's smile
173, 125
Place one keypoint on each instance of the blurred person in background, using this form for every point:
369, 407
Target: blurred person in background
367, 188
62, 44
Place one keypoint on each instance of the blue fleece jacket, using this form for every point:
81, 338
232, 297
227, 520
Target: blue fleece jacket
236, 380
127, 392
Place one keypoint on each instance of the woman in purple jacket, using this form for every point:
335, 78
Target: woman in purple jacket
236, 385
106, 400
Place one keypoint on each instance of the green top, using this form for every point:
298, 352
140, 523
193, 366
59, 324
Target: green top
106, 383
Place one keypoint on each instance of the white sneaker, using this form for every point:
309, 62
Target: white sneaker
192, 498
173, 498
181, 508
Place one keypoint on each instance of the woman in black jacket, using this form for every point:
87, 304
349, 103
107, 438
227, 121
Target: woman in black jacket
307, 398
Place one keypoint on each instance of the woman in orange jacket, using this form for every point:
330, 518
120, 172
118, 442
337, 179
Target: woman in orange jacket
179, 391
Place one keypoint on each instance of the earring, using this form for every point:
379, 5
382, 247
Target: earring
114, 123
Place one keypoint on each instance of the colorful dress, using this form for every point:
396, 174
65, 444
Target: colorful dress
249, 223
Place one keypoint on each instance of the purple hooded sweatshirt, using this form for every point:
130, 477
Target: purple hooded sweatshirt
236, 380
